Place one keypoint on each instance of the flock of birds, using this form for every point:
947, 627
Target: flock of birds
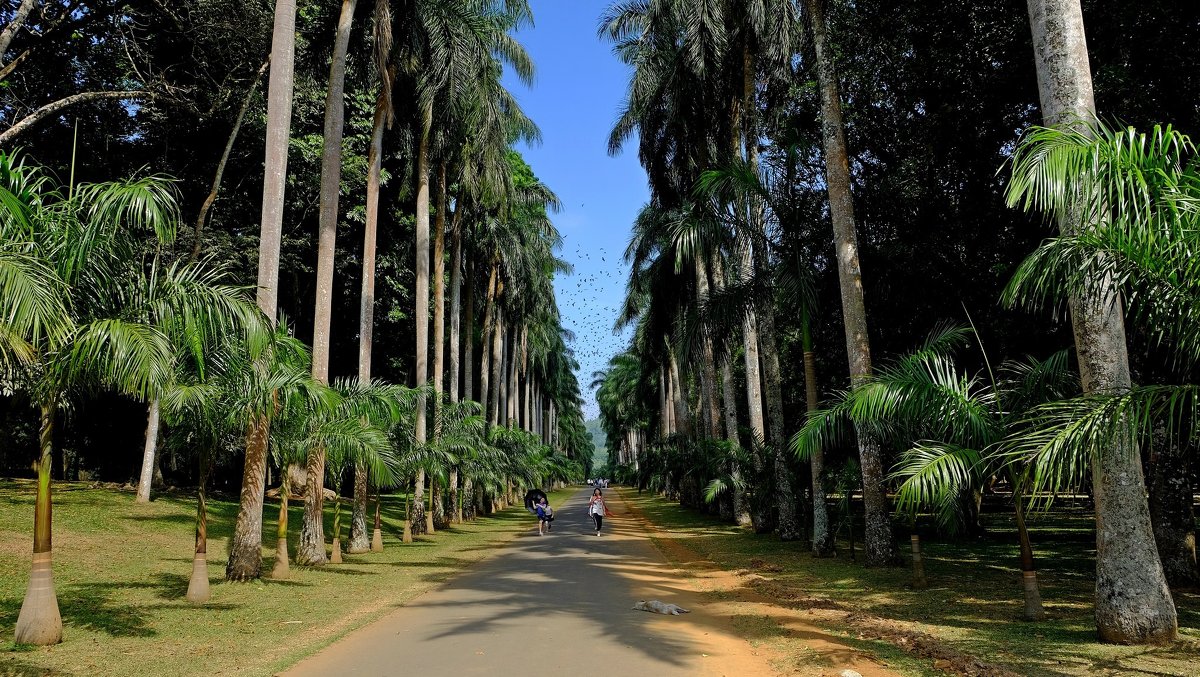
589, 301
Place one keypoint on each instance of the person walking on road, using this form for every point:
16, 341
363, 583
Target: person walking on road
545, 516
598, 509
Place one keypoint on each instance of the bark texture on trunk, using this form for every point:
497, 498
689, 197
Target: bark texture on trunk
147, 474
710, 415
279, 122
245, 549
312, 532
39, 621
422, 303
198, 591
879, 540
1133, 603
785, 495
281, 569
366, 315
822, 542
453, 364
360, 540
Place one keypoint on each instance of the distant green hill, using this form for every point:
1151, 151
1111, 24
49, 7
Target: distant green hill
599, 439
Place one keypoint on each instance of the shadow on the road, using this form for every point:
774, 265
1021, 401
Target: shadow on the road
572, 572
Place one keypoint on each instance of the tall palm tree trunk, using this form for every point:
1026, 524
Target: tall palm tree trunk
497, 334
366, 312
311, 551
418, 519
822, 543
468, 337
739, 502
245, 548
1133, 603
39, 621
437, 515
486, 349
879, 541
710, 415
455, 347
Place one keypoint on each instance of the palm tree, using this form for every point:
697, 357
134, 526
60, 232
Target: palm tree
87, 323
383, 118
879, 541
953, 426
245, 548
312, 535
1120, 202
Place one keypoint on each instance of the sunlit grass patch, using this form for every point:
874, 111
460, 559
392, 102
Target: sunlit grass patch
121, 572
973, 604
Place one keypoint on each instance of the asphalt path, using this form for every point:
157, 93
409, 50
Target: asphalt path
550, 605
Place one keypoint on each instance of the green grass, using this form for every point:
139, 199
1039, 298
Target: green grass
121, 570
973, 604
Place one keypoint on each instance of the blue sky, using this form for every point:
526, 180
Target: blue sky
575, 98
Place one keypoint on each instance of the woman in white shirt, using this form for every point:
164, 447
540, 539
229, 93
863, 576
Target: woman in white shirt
598, 509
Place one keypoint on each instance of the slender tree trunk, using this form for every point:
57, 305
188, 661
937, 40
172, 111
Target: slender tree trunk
1172, 512
785, 496
1133, 603
487, 349
366, 316
147, 474
468, 338
377, 535
822, 543
216, 184
710, 416
1029, 581
439, 294
422, 310
39, 621
739, 501
681, 413
312, 533
245, 549
879, 540
359, 542
281, 569
454, 363
198, 591
496, 365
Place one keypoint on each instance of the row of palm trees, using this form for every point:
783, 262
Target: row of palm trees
88, 304
708, 254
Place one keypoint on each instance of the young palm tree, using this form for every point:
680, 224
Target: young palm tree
1124, 203
88, 322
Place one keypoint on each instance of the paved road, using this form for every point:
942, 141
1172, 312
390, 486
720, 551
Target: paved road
551, 605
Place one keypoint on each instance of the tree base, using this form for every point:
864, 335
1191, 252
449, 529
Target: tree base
335, 556
1033, 598
281, 570
39, 621
198, 591
408, 535
377, 541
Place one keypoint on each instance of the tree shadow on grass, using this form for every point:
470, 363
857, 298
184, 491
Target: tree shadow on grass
11, 666
95, 607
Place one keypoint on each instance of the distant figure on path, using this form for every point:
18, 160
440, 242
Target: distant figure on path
598, 509
545, 516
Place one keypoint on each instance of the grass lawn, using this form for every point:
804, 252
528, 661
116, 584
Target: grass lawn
967, 621
121, 570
